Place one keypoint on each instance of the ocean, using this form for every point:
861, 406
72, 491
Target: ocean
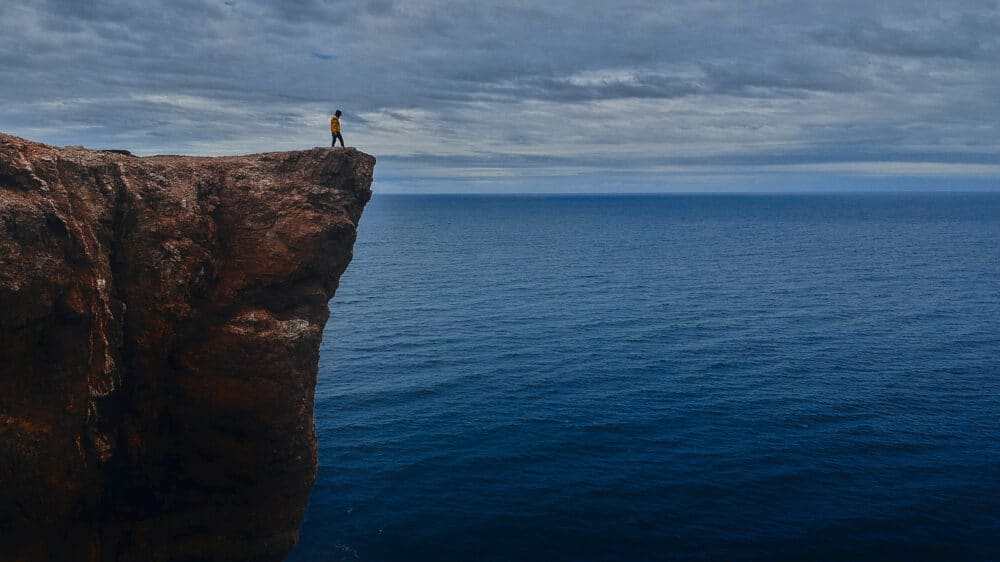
676, 377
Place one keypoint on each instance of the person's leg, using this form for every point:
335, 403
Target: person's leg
334, 143
341, 137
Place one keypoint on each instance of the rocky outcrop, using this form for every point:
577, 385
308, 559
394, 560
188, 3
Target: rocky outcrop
160, 322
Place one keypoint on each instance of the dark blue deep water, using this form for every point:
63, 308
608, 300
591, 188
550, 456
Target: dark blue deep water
704, 377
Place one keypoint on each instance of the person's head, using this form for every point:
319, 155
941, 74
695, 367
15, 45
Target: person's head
337, 113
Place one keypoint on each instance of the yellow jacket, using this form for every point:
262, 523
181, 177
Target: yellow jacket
334, 124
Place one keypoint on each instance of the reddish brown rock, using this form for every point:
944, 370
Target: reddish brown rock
160, 322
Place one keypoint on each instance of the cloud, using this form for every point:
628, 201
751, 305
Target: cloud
532, 90
955, 39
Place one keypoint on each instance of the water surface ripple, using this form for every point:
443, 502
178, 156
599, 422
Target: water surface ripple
663, 378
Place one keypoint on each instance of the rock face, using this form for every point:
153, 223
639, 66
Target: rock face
160, 322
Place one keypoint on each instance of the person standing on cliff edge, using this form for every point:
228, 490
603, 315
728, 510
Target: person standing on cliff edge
335, 129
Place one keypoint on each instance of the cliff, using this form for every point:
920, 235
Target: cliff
160, 322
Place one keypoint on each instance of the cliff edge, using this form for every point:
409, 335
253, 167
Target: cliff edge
160, 322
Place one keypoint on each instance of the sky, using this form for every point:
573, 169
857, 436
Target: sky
529, 96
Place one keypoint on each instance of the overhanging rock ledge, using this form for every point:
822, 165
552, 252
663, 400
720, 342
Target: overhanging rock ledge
160, 322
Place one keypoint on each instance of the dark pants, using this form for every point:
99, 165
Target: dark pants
337, 136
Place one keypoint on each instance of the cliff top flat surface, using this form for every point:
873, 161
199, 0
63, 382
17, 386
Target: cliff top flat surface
94, 155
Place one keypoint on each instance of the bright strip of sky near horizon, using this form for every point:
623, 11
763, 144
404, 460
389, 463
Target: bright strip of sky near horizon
559, 95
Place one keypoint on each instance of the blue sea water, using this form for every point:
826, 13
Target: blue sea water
685, 377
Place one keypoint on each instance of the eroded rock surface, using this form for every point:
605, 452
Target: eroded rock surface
160, 322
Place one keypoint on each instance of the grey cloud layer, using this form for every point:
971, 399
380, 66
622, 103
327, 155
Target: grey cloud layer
433, 83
